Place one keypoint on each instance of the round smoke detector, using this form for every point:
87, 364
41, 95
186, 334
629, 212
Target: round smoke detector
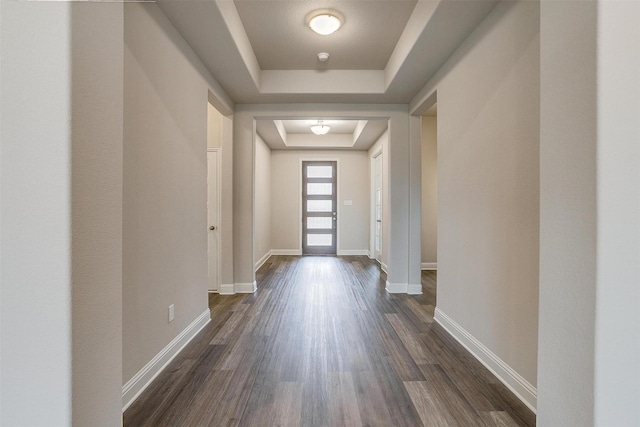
323, 56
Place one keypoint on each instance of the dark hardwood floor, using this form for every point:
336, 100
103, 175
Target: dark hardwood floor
321, 343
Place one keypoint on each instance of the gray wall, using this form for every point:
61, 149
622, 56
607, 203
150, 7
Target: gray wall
61, 214
589, 359
617, 355
353, 184
165, 174
429, 252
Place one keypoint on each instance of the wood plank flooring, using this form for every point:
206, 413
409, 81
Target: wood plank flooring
321, 343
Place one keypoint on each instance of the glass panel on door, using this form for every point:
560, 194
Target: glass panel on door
319, 223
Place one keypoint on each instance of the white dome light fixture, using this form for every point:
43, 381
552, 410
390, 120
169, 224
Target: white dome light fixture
320, 128
324, 22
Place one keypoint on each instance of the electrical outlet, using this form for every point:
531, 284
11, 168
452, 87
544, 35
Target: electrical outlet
171, 313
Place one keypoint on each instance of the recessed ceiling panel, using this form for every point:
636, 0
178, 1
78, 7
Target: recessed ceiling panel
282, 41
350, 134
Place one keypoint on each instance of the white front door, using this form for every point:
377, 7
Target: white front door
212, 217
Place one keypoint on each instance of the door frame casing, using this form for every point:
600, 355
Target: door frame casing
300, 201
218, 202
372, 230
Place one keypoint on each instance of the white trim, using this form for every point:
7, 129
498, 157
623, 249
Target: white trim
347, 252
396, 288
226, 289
524, 390
141, 380
262, 260
245, 288
414, 289
429, 266
286, 251
383, 267
218, 152
372, 207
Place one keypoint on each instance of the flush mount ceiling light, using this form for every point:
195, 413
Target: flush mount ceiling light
324, 22
320, 128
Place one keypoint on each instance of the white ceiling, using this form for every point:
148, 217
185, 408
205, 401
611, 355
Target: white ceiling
260, 52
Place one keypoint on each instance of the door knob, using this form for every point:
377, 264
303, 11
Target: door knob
213, 227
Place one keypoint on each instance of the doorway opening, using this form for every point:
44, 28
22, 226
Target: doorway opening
319, 207
429, 220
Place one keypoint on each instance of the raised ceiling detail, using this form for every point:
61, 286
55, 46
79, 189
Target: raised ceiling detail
349, 134
365, 41
260, 51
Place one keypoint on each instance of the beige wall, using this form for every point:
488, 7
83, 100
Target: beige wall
567, 214
380, 146
262, 226
429, 227
165, 194
353, 184
488, 96
96, 204
214, 127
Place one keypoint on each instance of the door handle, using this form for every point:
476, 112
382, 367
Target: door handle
213, 227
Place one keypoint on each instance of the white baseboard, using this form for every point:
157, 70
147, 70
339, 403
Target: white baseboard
347, 252
238, 288
227, 289
524, 390
396, 288
414, 289
262, 260
245, 288
384, 267
141, 380
286, 251
429, 266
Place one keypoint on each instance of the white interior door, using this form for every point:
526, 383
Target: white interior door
213, 212
378, 207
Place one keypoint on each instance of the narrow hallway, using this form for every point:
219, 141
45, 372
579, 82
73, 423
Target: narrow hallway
322, 343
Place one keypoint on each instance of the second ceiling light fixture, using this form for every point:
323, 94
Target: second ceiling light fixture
320, 128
